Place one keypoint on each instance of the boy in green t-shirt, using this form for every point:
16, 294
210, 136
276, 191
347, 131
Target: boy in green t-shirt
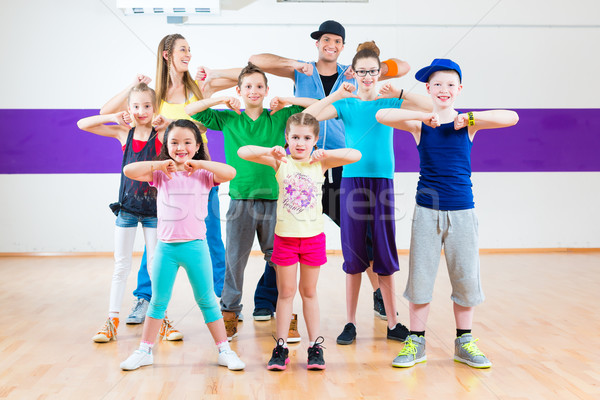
254, 190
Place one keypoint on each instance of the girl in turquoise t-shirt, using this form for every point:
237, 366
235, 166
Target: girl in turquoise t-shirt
367, 188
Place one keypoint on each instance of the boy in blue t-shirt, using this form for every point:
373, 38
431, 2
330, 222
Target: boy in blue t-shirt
444, 214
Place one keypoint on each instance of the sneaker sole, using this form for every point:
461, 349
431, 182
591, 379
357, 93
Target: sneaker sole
133, 369
276, 367
315, 367
294, 340
230, 338
345, 342
103, 339
397, 338
409, 364
472, 364
174, 338
262, 317
133, 321
382, 316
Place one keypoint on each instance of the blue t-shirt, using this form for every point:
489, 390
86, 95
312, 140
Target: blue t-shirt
374, 140
445, 179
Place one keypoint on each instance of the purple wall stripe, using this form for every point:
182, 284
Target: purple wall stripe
43, 141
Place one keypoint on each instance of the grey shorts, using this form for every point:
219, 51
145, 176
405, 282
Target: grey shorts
457, 233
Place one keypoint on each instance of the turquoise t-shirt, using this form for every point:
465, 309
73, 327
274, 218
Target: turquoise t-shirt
372, 139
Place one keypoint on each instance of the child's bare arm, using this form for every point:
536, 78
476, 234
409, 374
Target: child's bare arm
160, 124
323, 109
271, 156
277, 103
143, 170
97, 125
280, 66
405, 120
221, 172
335, 158
119, 101
416, 102
491, 119
201, 105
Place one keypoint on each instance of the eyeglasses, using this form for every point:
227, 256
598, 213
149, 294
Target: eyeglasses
363, 72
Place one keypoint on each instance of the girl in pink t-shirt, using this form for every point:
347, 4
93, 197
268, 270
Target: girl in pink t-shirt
183, 177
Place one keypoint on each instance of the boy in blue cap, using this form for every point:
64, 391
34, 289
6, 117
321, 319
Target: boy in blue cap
444, 214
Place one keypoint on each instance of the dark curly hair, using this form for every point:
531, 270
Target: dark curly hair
183, 123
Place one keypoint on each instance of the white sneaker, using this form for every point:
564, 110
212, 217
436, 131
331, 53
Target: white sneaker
229, 359
139, 358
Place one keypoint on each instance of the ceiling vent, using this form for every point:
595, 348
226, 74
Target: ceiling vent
175, 10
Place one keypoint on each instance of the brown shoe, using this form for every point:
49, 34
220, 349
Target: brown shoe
293, 335
231, 323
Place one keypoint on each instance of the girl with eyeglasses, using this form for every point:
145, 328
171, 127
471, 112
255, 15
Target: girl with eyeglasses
367, 188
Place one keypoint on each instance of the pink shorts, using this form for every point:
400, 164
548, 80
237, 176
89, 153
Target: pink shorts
308, 251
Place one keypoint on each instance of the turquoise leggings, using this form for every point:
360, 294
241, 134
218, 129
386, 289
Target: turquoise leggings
195, 259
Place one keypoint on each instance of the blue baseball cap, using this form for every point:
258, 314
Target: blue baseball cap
439, 64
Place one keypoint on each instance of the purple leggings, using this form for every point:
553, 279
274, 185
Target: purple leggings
363, 202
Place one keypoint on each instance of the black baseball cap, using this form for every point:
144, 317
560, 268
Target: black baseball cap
329, 26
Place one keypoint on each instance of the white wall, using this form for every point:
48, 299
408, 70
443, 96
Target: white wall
514, 54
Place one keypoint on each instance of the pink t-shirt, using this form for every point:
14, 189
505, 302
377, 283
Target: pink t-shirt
182, 204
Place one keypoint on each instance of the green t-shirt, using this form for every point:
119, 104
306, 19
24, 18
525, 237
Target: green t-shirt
252, 181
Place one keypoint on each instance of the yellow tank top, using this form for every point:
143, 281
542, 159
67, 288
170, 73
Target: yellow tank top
176, 111
299, 208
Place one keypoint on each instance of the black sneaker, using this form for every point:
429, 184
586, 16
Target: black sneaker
262, 314
348, 334
400, 332
378, 306
315, 355
279, 359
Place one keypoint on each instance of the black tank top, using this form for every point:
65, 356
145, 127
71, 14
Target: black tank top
136, 197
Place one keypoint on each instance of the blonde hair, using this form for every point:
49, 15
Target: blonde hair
366, 50
141, 88
163, 70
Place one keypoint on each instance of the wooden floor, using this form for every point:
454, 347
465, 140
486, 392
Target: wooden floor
540, 326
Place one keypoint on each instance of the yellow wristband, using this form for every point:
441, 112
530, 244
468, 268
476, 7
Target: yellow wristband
471, 118
392, 68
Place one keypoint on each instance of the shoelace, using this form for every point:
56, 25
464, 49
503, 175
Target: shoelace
316, 348
166, 327
294, 325
138, 305
409, 348
472, 348
278, 351
109, 328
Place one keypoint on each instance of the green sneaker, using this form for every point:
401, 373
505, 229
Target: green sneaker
412, 353
467, 352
